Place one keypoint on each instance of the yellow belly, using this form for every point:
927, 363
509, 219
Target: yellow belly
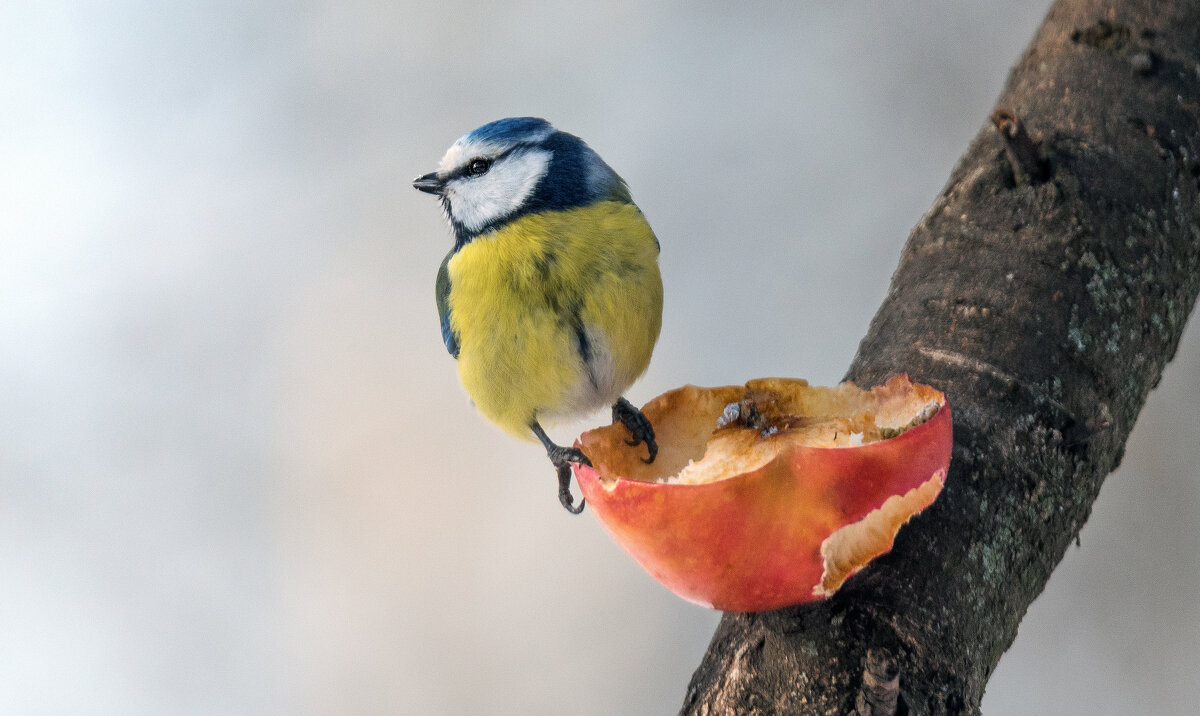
529, 300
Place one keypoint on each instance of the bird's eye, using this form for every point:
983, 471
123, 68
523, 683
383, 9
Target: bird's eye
478, 166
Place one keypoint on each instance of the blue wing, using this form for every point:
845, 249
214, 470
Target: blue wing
448, 336
442, 294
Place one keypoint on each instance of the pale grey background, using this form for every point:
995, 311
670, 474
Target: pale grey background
237, 472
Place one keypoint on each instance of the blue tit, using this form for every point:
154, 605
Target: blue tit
550, 299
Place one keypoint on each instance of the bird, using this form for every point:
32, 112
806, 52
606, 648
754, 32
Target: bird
551, 297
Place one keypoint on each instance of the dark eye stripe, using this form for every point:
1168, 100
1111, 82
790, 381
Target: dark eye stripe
465, 170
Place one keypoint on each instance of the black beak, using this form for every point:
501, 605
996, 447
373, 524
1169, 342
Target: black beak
430, 184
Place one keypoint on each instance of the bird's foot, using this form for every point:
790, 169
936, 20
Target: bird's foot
643, 432
565, 498
562, 457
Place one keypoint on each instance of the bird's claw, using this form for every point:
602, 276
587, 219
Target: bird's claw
643, 432
564, 486
562, 457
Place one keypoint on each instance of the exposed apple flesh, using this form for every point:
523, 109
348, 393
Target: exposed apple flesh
772, 493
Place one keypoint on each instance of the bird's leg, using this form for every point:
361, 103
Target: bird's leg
638, 424
562, 458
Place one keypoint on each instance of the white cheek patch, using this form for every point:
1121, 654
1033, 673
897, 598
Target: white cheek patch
475, 202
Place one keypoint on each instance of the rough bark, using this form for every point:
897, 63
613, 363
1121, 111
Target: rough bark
1044, 296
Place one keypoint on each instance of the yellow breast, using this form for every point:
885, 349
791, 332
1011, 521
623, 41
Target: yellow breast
556, 313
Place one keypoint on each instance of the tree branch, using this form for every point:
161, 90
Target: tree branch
1045, 306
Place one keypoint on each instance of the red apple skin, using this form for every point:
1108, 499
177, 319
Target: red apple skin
753, 542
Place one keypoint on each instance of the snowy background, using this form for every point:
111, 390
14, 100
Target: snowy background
237, 472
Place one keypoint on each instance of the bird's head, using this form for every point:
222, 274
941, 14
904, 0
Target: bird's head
513, 167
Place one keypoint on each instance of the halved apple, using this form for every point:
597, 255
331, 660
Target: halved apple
772, 493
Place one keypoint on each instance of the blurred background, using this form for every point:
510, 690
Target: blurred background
237, 471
